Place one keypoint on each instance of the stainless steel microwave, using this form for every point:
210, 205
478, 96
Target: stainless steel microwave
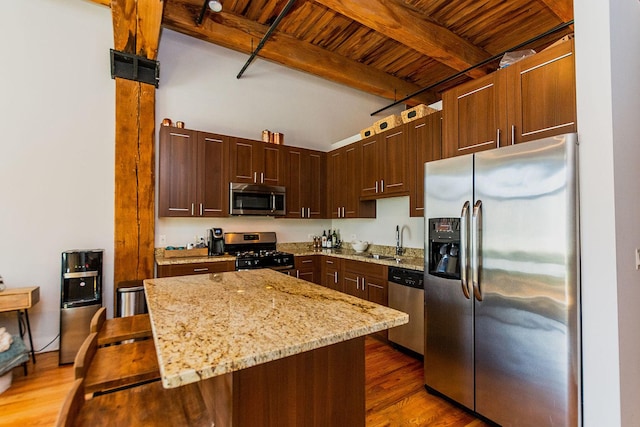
257, 199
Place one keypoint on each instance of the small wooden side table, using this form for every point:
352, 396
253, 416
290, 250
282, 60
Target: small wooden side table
20, 300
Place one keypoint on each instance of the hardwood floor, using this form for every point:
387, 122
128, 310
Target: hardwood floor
395, 395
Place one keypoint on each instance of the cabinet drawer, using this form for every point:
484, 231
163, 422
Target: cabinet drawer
19, 299
195, 268
365, 268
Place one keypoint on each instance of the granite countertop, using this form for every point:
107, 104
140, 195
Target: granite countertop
413, 258
212, 324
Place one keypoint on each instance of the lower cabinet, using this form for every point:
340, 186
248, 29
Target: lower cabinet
195, 268
307, 268
331, 276
367, 281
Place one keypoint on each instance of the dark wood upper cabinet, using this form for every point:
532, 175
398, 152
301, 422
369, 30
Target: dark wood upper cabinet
425, 139
542, 94
305, 172
474, 116
384, 171
531, 99
255, 162
193, 173
344, 184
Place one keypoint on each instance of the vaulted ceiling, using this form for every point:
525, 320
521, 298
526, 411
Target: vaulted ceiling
390, 48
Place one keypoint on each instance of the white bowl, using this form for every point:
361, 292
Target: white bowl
359, 245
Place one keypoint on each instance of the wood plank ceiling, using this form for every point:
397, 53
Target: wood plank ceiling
390, 48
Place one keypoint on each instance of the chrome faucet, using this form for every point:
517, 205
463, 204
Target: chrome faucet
399, 249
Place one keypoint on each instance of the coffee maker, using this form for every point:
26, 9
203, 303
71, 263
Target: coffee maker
216, 242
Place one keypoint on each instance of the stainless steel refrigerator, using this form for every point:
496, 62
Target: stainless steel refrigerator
502, 293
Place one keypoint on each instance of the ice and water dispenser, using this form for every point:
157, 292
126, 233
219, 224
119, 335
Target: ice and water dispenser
80, 298
444, 247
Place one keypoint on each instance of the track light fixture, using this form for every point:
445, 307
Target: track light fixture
215, 5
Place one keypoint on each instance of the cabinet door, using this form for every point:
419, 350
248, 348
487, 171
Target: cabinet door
244, 157
353, 284
542, 94
425, 140
315, 184
294, 182
308, 268
370, 167
269, 169
177, 175
213, 184
393, 162
377, 290
331, 274
335, 188
474, 116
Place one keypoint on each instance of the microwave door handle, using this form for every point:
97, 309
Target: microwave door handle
464, 250
273, 202
476, 248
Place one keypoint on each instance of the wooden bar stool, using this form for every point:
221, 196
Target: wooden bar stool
144, 405
113, 331
116, 366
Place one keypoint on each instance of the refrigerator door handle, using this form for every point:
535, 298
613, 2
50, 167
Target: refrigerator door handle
464, 249
476, 248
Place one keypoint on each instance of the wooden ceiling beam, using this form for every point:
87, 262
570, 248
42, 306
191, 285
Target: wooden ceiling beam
563, 9
406, 27
237, 33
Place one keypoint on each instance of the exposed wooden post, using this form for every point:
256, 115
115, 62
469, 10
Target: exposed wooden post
136, 30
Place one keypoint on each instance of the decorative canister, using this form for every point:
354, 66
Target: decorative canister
266, 135
180, 125
166, 122
278, 138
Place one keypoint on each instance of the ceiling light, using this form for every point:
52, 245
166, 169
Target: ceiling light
215, 5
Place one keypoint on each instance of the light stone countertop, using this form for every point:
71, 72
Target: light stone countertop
413, 259
212, 324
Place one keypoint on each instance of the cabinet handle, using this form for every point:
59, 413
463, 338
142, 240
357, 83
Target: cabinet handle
498, 138
375, 286
192, 209
363, 285
382, 185
308, 212
196, 270
376, 187
335, 277
255, 177
201, 210
513, 134
301, 212
338, 212
343, 214
261, 177
357, 283
306, 261
297, 274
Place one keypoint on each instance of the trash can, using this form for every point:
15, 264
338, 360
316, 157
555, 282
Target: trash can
131, 298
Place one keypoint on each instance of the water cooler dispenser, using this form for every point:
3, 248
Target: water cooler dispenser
80, 298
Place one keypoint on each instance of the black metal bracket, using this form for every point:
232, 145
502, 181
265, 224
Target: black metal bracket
133, 67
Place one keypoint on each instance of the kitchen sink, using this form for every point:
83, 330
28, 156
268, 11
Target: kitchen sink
382, 257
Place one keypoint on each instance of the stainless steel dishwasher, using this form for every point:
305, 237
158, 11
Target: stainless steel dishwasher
406, 293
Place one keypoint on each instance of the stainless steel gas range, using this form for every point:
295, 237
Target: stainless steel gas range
257, 250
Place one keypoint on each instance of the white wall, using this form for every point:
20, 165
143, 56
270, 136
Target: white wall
198, 86
608, 63
56, 155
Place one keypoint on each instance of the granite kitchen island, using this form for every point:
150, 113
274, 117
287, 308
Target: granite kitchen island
266, 349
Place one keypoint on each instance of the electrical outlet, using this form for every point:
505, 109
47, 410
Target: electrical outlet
637, 258
353, 237
163, 239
